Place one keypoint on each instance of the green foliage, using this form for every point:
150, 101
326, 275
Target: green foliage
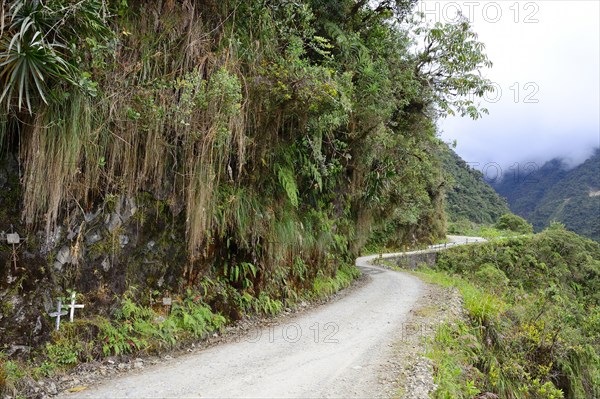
288, 182
453, 347
140, 327
451, 61
469, 199
10, 374
265, 305
321, 105
242, 273
280, 138
325, 286
532, 307
492, 278
38, 51
46, 369
62, 354
514, 223
27, 62
75, 342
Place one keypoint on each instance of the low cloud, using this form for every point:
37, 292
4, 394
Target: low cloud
547, 102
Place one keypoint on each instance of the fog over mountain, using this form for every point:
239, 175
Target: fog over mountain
546, 57
552, 193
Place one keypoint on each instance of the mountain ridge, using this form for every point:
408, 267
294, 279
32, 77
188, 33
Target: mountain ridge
555, 192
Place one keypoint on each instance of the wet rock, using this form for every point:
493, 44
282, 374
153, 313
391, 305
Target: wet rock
106, 264
3, 177
114, 222
58, 266
89, 217
11, 279
64, 255
129, 209
56, 235
74, 232
93, 237
51, 389
123, 240
38, 326
18, 349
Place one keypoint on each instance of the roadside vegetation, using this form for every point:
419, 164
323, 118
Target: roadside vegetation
142, 325
532, 325
507, 225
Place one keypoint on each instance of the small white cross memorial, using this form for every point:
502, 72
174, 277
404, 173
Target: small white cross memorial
73, 306
59, 312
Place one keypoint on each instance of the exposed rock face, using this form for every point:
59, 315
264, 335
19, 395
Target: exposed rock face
100, 253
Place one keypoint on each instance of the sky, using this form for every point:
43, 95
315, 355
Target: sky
547, 78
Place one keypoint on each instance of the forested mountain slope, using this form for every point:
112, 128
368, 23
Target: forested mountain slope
469, 197
553, 193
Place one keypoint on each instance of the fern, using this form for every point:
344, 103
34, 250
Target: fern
288, 182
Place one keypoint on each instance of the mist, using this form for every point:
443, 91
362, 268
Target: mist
546, 105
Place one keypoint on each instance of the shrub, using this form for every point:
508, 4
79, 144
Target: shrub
491, 277
515, 223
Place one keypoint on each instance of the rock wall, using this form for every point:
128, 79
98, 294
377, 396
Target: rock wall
412, 261
122, 243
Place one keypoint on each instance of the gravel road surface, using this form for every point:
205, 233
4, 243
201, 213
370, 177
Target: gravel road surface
337, 350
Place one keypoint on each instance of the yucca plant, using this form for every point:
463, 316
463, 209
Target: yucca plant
27, 62
37, 49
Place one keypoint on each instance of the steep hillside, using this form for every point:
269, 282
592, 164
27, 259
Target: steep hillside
231, 157
533, 318
469, 196
524, 191
554, 193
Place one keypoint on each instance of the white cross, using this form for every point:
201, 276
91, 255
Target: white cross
59, 312
73, 306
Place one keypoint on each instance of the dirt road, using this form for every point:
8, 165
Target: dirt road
336, 350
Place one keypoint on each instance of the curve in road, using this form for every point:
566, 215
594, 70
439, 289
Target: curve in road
337, 350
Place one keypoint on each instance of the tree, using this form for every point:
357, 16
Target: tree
512, 222
450, 65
